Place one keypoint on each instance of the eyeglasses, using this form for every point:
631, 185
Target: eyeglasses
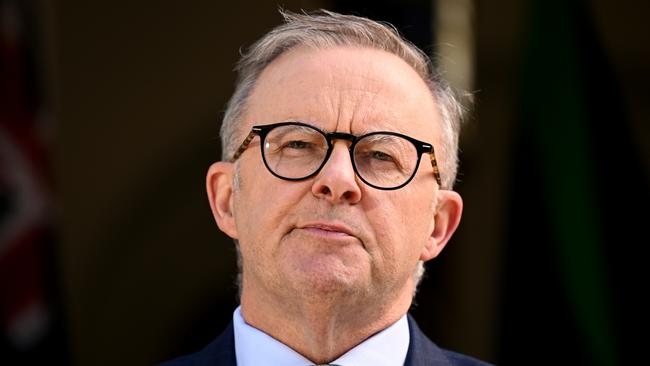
296, 151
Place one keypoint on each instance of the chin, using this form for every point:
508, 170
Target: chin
321, 270
321, 281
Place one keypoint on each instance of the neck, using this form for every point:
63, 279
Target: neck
323, 329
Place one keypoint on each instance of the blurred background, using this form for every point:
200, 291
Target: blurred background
109, 116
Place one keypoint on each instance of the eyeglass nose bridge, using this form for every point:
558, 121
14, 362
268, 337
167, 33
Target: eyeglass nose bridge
330, 137
340, 136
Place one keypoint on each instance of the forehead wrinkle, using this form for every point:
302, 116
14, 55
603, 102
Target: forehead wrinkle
356, 106
358, 103
369, 119
339, 110
346, 90
371, 107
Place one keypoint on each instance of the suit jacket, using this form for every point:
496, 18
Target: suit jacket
421, 352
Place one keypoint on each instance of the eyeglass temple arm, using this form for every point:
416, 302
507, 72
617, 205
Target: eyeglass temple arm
244, 145
434, 165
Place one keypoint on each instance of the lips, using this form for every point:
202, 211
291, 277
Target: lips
328, 229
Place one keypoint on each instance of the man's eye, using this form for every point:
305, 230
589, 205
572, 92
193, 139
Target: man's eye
296, 144
379, 155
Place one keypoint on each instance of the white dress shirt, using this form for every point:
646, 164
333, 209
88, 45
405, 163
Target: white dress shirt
253, 347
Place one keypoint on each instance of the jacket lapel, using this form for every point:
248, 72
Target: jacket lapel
421, 351
220, 352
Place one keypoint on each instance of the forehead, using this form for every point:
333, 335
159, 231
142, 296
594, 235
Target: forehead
345, 89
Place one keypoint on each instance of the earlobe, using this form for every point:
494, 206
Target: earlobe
445, 222
220, 194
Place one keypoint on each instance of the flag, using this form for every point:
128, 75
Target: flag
29, 315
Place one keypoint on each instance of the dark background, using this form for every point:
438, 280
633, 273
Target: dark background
116, 108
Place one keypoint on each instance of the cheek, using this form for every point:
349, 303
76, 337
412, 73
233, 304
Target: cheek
250, 201
402, 225
387, 223
262, 205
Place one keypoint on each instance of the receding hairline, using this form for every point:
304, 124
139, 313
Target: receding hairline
324, 28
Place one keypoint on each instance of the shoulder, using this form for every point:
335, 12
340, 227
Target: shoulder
220, 352
423, 352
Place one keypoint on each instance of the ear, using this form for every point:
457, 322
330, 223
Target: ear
445, 221
220, 194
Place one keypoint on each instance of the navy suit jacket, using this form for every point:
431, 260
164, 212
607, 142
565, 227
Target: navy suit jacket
421, 352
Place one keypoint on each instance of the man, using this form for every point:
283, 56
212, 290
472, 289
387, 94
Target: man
339, 155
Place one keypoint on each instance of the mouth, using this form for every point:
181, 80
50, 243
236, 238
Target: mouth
328, 230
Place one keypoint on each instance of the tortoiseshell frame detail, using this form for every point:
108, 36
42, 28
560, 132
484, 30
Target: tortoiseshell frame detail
422, 147
244, 145
434, 165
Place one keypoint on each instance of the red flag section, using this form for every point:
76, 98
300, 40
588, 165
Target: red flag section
25, 242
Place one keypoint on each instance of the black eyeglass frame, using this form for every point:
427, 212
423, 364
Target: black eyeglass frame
263, 130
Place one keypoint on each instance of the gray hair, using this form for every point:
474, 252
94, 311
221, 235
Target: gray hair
326, 29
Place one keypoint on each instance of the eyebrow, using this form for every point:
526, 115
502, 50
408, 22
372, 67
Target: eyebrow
298, 128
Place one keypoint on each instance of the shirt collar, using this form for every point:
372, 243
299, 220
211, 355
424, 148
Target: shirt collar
253, 347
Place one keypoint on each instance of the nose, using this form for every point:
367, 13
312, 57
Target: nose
337, 182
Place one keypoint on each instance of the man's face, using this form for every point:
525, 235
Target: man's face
332, 235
